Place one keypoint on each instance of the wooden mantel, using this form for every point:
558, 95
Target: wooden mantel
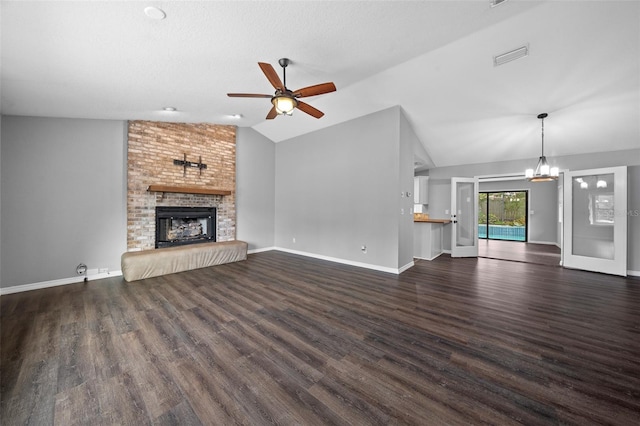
188, 190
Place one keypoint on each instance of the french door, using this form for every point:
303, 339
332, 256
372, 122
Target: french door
464, 217
595, 220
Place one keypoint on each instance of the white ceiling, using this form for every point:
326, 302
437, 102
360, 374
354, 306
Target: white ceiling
108, 60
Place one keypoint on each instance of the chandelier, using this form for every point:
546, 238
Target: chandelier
543, 171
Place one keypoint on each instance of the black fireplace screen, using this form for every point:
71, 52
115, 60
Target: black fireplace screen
184, 225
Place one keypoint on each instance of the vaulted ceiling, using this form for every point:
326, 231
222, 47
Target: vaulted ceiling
109, 60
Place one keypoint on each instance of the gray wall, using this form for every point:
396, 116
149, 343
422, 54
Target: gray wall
440, 187
337, 189
543, 197
408, 141
63, 197
255, 188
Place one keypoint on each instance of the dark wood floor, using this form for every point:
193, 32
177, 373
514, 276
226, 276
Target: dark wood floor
542, 254
282, 339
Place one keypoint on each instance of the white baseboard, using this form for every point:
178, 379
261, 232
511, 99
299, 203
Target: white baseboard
348, 262
260, 250
549, 243
430, 258
73, 280
55, 283
405, 267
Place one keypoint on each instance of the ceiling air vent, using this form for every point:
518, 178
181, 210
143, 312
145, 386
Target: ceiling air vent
495, 3
518, 53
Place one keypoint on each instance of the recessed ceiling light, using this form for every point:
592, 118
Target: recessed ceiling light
154, 13
236, 116
170, 109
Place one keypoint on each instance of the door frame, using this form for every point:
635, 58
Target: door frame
559, 204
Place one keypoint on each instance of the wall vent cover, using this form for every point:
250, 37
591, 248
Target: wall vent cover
518, 53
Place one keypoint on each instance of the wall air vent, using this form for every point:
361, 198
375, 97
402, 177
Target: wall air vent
495, 3
518, 53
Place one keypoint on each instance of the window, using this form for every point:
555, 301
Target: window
601, 209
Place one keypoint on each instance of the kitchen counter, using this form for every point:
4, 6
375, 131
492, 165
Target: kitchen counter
443, 221
427, 236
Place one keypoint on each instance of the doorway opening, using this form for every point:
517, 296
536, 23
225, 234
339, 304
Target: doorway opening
540, 242
502, 215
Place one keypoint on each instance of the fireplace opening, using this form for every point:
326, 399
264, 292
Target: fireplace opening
177, 226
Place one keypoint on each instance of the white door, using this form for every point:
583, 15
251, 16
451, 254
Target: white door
464, 217
595, 220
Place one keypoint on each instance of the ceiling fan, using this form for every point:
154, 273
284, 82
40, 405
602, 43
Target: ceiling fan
284, 100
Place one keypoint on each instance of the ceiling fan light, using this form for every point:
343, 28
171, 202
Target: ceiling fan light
284, 104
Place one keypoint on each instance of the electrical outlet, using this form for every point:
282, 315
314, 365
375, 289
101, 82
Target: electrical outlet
294, 240
364, 249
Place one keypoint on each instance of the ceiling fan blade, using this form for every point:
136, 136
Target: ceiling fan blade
309, 110
318, 89
248, 95
272, 75
272, 114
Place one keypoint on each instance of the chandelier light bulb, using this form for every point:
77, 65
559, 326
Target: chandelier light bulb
544, 169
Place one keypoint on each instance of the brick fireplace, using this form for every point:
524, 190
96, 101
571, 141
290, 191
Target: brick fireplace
152, 149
